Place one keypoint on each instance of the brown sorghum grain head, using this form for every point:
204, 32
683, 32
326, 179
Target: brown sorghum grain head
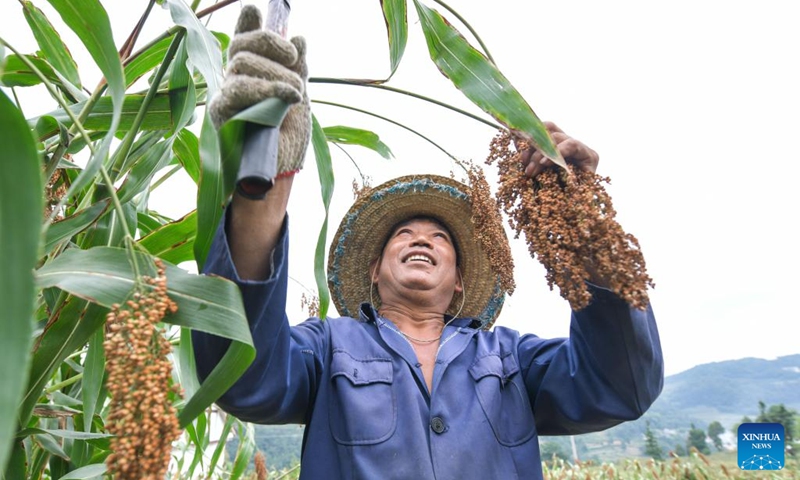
568, 222
141, 417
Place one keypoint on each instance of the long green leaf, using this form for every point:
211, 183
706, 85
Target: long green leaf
73, 434
205, 52
92, 383
482, 82
146, 61
74, 224
322, 155
17, 74
142, 172
83, 473
20, 213
54, 49
173, 242
357, 136
246, 450
187, 150
89, 20
395, 15
220, 157
102, 115
210, 304
182, 96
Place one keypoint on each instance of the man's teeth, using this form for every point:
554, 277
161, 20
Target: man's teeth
418, 258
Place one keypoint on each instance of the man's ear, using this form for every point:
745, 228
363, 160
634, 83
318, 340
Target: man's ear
459, 281
374, 266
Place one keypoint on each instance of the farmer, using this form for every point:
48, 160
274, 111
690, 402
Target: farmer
408, 383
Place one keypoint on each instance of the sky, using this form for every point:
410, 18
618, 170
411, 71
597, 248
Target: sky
691, 105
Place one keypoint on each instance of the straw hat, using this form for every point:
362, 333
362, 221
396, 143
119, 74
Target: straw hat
365, 228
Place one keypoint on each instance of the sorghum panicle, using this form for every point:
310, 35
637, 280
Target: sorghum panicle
568, 222
141, 418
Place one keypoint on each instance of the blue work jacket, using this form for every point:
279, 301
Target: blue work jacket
357, 386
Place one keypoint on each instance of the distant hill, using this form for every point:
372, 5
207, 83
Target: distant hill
722, 391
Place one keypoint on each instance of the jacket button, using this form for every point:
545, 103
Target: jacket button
437, 425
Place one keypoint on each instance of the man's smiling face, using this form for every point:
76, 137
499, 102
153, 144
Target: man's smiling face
419, 256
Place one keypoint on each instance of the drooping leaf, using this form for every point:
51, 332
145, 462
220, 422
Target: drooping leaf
187, 150
73, 434
21, 210
173, 242
146, 61
357, 136
395, 16
322, 154
245, 451
211, 304
89, 20
92, 383
54, 49
142, 172
102, 115
182, 96
17, 73
86, 472
205, 52
481, 82
186, 364
50, 445
74, 224
220, 158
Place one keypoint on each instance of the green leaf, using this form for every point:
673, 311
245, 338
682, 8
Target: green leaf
73, 434
325, 169
146, 61
187, 150
93, 373
220, 158
20, 215
143, 171
54, 49
17, 74
205, 52
226, 430
247, 447
186, 364
357, 136
147, 223
173, 242
482, 82
101, 117
83, 473
50, 445
182, 96
89, 20
74, 224
104, 276
395, 16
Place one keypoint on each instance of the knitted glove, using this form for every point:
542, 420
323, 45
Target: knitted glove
262, 65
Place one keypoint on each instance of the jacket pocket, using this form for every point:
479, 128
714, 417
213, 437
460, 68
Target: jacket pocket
363, 406
503, 398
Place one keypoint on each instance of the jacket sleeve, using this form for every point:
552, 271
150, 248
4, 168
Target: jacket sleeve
280, 384
609, 370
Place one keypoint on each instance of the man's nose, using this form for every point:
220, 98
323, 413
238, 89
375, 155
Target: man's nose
421, 239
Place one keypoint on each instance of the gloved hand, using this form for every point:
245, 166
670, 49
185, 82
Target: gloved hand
261, 65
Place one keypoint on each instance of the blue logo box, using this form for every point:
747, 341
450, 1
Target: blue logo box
761, 446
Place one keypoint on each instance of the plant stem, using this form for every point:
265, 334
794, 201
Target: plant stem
322, 102
372, 84
127, 142
65, 383
353, 160
469, 27
125, 51
161, 180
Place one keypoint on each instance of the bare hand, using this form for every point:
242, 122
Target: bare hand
574, 152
